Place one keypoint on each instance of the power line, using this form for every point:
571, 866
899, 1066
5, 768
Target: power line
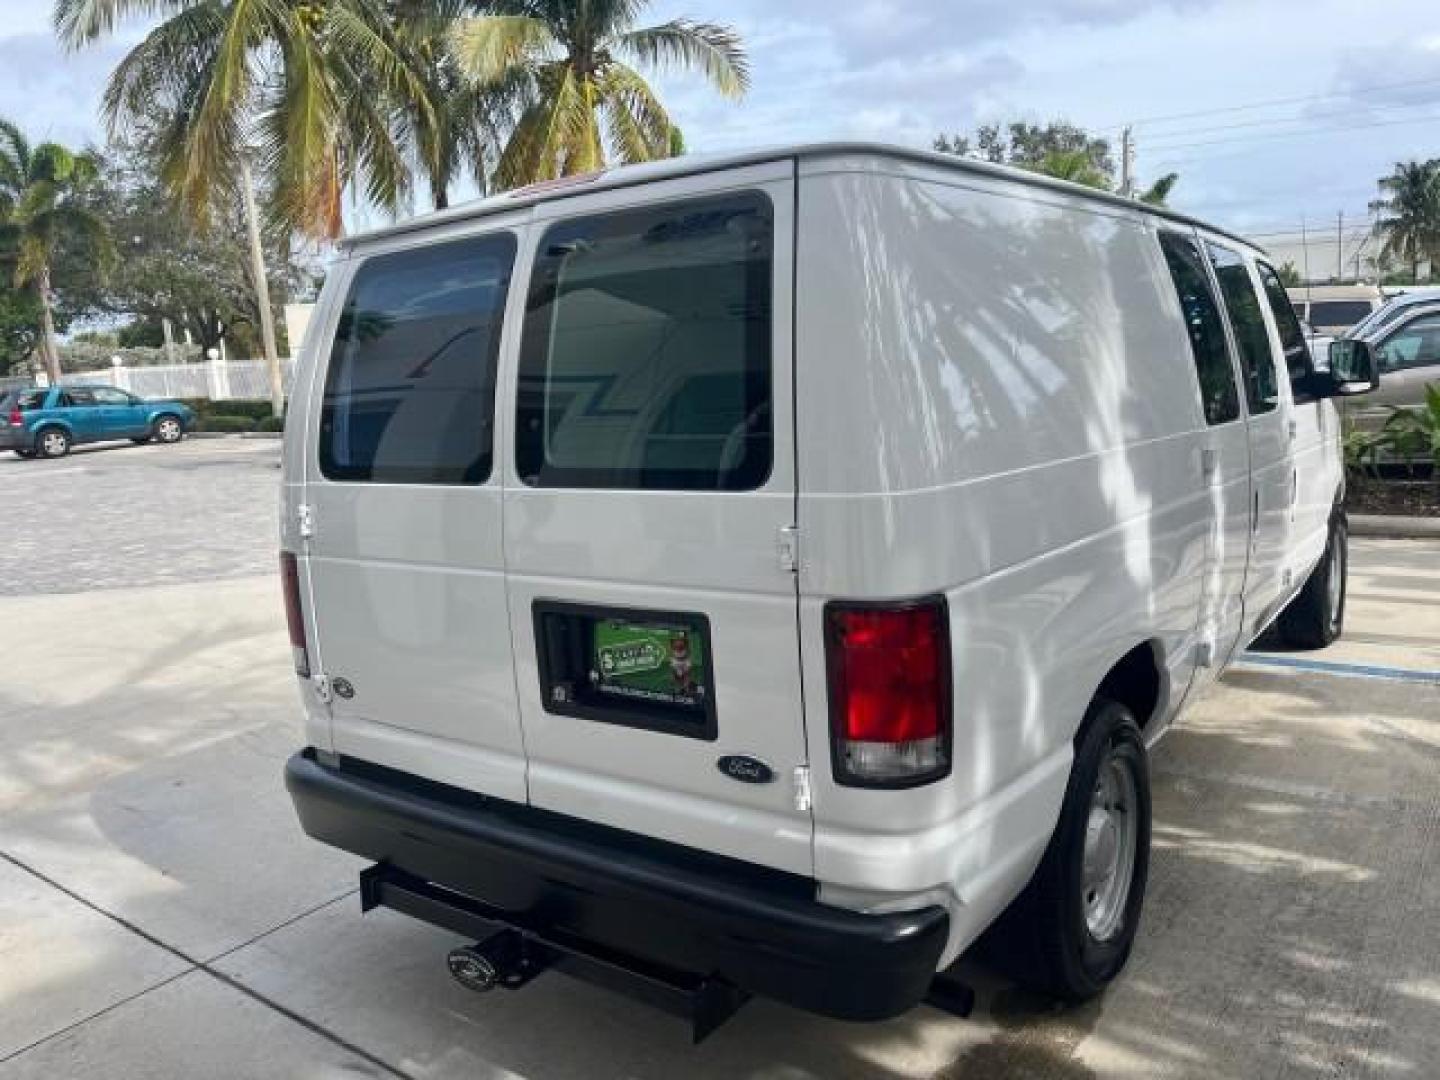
1249, 106
1294, 134
1302, 119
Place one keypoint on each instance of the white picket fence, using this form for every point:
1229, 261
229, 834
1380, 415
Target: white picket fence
240, 380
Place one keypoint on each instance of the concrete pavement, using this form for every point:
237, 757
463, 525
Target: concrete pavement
161, 915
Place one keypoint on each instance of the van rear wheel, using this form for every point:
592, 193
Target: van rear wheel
1070, 932
1316, 617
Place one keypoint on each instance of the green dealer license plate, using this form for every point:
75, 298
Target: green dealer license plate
650, 662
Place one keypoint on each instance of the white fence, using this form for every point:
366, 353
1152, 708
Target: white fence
240, 380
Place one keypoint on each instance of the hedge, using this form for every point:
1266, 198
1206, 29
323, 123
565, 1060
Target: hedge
203, 407
227, 424
271, 423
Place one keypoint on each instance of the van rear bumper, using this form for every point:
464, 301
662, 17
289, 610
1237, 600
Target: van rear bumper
759, 929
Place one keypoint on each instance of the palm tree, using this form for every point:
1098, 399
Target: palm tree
1159, 191
1076, 166
41, 209
463, 129
307, 89
1408, 213
585, 102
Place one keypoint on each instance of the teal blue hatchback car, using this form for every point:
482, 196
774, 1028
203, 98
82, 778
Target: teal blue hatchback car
48, 421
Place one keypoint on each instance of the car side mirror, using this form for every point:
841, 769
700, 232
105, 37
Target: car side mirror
1353, 368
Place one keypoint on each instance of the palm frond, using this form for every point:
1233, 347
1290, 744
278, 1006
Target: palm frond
490, 47
79, 22
640, 129
681, 44
14, 156
158, 72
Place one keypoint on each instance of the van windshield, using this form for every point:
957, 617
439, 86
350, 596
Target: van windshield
645, 361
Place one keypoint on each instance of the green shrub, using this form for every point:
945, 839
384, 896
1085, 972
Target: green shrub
225, 423
255, 410
271, 423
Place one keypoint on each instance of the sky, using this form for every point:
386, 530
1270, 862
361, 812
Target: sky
1275, 113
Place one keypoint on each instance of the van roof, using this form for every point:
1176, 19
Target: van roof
694, 164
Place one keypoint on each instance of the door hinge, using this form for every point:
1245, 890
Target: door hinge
305, 520
802, 788
788, 545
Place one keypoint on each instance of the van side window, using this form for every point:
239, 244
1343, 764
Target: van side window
410, 394
1262, 384
1292, 338
645, 361
1218, 392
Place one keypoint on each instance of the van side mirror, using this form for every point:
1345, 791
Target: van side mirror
1353, 369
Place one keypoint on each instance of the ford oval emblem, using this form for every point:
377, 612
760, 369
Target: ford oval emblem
747, 770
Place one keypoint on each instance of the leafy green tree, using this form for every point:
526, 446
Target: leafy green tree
584, 102
1290, 276
303, 86
19, 327
165, 269
1408, 214
1058, 148
41, 188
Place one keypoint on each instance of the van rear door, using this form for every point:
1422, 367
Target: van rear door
650, 494
402, 502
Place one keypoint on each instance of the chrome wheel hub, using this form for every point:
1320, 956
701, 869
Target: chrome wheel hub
169, 431
54, 443
1111, 837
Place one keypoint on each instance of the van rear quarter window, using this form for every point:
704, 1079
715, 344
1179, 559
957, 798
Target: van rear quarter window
410, 394
1262, 385
1218, 393
646, 357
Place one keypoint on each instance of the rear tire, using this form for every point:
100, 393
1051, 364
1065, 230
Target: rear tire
1316, 617
1070, 932
167, 429
52, 442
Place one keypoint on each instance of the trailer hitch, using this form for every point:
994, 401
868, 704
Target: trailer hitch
507, 957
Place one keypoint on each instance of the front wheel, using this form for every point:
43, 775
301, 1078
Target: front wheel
1070, 932
1316, 616
168, 429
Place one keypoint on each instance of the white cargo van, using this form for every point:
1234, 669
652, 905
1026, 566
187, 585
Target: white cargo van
759, 574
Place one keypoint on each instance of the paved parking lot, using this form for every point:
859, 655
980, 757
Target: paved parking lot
162, 916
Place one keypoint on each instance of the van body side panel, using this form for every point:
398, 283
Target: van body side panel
407, 578
621, 546
1032, 449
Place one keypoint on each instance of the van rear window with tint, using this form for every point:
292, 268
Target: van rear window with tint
410, 394
646, 355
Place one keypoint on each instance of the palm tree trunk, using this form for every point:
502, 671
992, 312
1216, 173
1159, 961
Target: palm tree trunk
261, 281
49, 351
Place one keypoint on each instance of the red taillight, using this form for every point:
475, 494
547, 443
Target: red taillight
889, 692
16, 418
294, 613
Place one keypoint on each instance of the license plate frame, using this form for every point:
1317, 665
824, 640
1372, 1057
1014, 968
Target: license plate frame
661, 667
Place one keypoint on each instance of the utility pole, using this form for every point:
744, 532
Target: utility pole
1127, 162
1340, 247
261, 281
1305, 254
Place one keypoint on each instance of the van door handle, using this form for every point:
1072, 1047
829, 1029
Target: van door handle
1209, 461
1255, 513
